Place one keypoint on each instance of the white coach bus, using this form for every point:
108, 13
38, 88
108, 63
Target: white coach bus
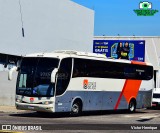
71, 81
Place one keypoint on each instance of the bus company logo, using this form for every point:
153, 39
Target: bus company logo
145, 9
85, 84
89, 85
31, 99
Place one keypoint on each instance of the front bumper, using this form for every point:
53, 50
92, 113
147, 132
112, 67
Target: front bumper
35, 107
155, 104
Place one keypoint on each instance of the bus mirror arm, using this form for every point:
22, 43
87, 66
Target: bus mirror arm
53, 75
10, 73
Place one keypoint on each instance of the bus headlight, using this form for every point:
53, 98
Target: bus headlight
18, 100
47, 102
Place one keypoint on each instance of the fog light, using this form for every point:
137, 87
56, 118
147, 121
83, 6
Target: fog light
18, 100
47, 102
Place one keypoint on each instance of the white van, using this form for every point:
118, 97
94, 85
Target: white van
156, 97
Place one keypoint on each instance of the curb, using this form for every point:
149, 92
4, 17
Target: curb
10, 109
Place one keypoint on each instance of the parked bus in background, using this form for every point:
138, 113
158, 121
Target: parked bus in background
71, 81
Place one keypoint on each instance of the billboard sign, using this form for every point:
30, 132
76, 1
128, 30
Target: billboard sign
121, 49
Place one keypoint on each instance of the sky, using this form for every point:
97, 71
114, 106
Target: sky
116, 17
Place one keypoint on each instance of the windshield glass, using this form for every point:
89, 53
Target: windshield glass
34, 78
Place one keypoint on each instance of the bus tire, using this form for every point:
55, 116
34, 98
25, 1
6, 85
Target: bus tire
76, 108
132, 106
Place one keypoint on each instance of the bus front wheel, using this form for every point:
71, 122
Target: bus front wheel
76, 108
132, 106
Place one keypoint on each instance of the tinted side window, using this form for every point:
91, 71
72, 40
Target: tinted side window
93, 68
138, 72
106, 69
63, 76
80, 68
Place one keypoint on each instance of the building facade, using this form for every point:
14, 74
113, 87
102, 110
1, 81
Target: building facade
48, 25
30, 26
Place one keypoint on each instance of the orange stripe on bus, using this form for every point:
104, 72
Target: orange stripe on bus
138, 63
118, 101
130, 88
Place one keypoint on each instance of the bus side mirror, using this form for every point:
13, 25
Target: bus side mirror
53, 75
10, 73
18, 65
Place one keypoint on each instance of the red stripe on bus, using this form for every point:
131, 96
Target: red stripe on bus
139, 63
120, 96
130, 88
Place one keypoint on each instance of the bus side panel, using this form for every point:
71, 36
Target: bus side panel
103, 100
92, 100
144, 96
123, 104
96, 100
63, 102
144, 99
102, 94
110, 100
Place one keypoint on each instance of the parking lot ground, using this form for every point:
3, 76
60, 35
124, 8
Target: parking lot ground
100, 121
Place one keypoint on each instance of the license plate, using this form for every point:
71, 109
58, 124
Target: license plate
30, 107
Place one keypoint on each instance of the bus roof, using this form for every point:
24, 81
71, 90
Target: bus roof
77, 54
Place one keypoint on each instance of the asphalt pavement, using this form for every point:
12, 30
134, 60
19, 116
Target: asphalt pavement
143, 120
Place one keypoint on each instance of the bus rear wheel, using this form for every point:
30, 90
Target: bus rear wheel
76, 108
132, 106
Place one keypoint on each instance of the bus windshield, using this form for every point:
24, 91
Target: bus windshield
34, 78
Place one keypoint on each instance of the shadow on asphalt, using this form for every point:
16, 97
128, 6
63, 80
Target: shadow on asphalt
145, 119
154, 108
63, 115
